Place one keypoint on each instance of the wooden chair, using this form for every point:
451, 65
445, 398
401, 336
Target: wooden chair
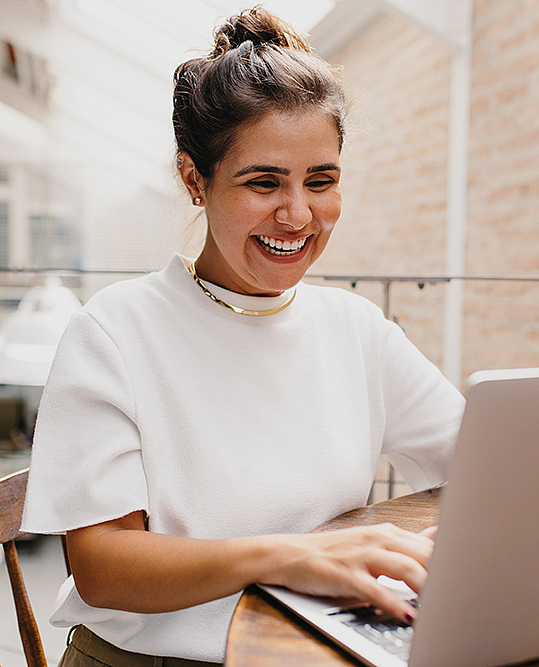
12, 493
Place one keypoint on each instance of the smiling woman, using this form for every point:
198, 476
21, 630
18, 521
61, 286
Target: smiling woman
259, 127
197, 420
280, 183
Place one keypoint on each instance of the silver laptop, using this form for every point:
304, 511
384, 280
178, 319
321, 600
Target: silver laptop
480, 604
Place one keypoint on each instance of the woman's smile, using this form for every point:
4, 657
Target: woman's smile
279, 248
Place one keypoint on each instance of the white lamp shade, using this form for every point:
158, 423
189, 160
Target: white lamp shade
29, 336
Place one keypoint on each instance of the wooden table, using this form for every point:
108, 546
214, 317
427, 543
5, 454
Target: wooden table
262, 634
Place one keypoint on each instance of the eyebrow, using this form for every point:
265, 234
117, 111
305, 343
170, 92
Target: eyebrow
329, 166
271, 169
268, 168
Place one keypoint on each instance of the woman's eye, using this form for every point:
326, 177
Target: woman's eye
262, 184
320, 183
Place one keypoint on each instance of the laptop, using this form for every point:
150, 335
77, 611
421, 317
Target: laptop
480, 604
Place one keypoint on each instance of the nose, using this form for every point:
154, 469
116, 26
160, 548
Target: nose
294, 211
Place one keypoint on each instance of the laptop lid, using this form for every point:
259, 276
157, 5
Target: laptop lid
480, 605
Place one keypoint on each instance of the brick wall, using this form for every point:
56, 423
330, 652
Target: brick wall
395, 179
502, 320
395, 172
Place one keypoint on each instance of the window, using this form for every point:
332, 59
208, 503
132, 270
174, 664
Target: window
54, 243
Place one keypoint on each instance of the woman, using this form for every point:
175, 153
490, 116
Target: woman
199, 419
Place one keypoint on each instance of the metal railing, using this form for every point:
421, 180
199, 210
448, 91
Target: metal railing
388, 281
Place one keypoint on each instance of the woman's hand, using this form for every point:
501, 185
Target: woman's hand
346, 563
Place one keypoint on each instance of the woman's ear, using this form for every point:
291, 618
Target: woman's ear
192, 180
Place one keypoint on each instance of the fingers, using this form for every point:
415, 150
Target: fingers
373, 562
382, 598
418, 546
430, 532
396, 566
346, 564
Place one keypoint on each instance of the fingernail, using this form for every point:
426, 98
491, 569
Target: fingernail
410, 616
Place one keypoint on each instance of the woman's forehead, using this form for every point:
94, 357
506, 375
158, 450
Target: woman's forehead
308, 137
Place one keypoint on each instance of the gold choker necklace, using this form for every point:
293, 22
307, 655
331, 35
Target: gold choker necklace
236, 309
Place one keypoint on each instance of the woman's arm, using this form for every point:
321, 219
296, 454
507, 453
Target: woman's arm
119, 565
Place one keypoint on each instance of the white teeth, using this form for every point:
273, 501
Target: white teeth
288, 247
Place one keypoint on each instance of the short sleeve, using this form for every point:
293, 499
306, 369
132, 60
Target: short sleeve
86, 464
423, 414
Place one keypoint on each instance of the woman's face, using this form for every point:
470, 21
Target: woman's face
272, 203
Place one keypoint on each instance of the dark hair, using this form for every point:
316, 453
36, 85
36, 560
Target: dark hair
258, 64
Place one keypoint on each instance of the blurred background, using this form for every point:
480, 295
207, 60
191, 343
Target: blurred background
441, 184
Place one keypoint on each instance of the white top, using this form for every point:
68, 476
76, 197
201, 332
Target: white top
219, 425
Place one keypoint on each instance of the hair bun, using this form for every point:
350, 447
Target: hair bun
260, 27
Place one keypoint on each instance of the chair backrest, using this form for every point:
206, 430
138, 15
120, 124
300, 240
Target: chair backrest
12, 493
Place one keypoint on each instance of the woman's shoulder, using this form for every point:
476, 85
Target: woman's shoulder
144, 305
119, 291
116, 301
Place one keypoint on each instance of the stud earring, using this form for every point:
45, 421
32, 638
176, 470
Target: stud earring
180, 162
197, 201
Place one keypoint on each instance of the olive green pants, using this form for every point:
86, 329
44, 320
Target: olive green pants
86, 649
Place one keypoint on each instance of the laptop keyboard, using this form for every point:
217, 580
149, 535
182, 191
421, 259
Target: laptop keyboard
394, 636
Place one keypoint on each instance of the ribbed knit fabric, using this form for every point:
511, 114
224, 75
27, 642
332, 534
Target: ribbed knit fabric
218, 425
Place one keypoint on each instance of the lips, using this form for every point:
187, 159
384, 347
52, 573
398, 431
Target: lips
281, 248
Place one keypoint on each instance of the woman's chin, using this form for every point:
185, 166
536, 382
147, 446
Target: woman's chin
276, 274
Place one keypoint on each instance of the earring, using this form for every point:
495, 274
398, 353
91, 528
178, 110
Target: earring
180, 162
197, 201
